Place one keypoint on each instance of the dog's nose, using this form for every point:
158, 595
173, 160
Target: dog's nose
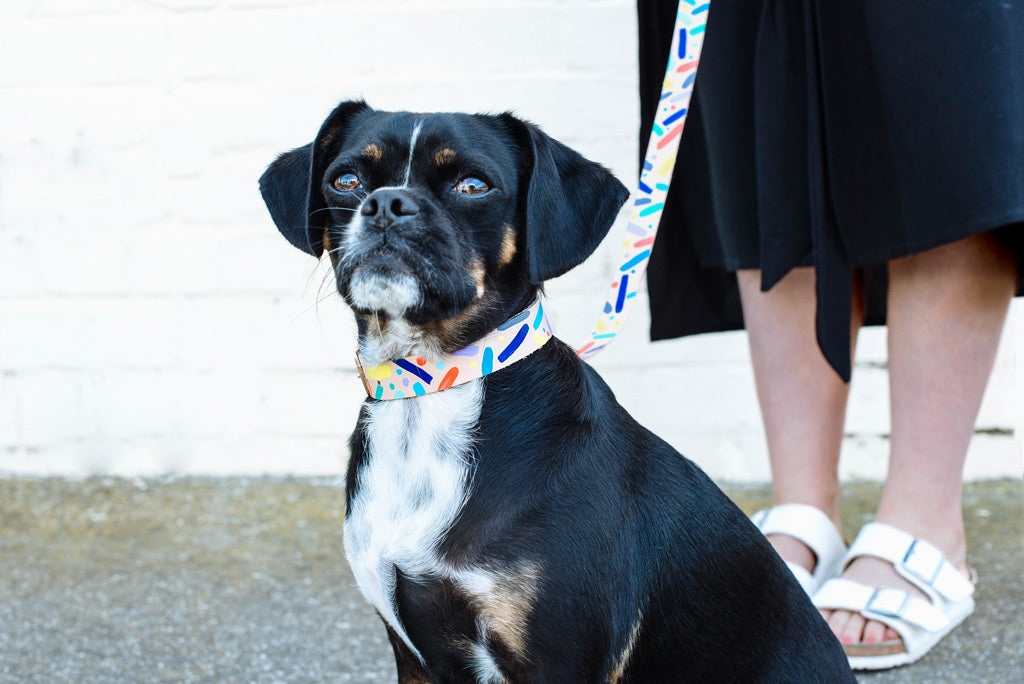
388, 206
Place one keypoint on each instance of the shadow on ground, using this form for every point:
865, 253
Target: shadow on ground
233, 580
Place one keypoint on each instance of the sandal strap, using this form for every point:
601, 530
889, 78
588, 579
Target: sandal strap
883, 604
806, 524
915, 559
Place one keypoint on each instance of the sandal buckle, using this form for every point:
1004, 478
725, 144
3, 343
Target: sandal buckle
923, 561
888, 602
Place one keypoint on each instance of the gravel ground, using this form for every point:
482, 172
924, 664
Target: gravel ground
243, 580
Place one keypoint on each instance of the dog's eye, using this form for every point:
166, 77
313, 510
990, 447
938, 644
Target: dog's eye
472, 186
347, 183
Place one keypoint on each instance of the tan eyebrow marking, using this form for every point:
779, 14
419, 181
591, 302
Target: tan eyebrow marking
445, 156
373, 152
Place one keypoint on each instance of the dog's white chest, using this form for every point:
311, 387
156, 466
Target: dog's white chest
411, 488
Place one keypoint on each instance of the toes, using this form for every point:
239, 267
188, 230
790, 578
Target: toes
853, 631
853, 628
875, 632
837, 622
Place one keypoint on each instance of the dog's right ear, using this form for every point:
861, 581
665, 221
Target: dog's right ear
285, 189
291, 185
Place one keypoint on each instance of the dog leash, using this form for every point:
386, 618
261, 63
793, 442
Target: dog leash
655, 176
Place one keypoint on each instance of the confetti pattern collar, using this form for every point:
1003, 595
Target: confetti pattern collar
515, 339
659, 160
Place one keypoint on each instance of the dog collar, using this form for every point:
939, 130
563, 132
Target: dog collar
414, 376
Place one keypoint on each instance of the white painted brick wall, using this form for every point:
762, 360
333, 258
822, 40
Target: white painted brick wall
152, 320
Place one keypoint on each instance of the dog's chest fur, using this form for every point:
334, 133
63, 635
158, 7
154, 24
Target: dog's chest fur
410, 488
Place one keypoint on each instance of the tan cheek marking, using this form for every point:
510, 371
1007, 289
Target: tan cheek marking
445, 156
373, 152
476, 269
328, 250
448, 332
508, 247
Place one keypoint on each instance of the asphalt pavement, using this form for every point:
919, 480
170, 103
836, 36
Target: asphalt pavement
244, 580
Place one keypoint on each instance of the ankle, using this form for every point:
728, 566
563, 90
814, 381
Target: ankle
943, 531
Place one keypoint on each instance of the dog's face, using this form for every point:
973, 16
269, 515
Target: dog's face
438, 226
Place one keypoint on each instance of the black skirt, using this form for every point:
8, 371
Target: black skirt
833, 134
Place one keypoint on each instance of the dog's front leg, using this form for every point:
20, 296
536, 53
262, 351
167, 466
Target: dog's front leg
410, 669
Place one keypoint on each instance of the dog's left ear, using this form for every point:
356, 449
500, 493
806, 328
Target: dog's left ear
291, 185
571, 202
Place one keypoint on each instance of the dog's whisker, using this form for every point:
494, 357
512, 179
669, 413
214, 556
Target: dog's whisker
319, 297
317, 211
380, 333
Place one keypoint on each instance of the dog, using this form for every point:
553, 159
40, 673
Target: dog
519, 526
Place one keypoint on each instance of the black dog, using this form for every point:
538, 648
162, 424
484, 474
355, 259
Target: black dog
520, 527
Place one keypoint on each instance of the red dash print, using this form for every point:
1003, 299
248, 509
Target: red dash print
448, 380
422, 362
683, 68
644, 242
584, 348
667, 138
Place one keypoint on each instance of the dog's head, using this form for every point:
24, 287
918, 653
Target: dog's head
438, 226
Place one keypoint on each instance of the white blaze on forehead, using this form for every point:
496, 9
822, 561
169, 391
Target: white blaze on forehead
412, 148
393, 296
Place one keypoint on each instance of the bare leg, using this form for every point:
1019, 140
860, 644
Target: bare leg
802, 399
946, 311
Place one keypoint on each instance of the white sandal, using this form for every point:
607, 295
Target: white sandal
810, 526
919, 623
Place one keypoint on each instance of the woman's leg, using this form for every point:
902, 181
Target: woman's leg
946, 311
802, 399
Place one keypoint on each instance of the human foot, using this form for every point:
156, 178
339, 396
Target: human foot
884, 618
806, 539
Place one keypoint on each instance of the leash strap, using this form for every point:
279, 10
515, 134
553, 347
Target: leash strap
656, 175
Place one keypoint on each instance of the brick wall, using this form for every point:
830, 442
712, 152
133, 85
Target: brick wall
153, 321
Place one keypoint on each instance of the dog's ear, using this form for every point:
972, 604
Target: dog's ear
285, 189
291, 185
570, 204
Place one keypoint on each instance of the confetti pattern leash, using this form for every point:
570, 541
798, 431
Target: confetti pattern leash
656, 175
